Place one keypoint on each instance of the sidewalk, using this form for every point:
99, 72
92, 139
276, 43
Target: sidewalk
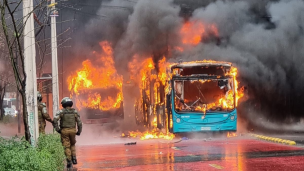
11, 129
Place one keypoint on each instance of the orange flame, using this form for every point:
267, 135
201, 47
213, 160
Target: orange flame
162, 75
154, 134
227, 102
239, 94
87, 81
189, 36
143, 71
231, 134
192, 32
139, 69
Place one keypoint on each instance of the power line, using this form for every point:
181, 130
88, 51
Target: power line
81, 12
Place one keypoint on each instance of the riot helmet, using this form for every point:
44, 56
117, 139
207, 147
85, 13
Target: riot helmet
39, 96
66, 102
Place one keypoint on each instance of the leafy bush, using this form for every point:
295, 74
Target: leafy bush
51, 143
17, 154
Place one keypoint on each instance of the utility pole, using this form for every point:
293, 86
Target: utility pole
30, 69
55, 84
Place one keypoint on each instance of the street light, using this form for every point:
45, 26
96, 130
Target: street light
46, 80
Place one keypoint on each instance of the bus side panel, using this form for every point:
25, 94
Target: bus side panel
204, 127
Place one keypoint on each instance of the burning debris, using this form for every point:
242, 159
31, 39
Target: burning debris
154, 134
231, 134
131, 143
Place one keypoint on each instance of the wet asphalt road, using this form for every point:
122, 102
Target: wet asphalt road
236, 153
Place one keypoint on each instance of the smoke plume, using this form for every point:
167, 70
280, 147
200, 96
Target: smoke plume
151, 28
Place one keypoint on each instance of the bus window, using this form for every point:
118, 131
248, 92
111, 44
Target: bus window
202, 95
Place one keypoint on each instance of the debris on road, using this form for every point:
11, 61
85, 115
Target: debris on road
185, 138
131, 143
175, 148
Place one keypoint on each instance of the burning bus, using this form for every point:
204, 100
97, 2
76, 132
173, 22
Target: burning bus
195, 96
96, 88
98, 112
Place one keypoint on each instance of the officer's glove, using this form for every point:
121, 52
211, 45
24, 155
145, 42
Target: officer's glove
78, 133
59, 131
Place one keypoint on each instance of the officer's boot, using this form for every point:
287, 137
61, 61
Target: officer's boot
69, 164
74, 160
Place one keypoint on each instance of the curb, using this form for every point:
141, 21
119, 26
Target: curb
276, 140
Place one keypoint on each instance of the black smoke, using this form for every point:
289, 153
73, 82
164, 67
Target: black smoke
152, 27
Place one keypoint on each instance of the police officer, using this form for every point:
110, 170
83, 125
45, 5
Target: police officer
42, 114
68, 118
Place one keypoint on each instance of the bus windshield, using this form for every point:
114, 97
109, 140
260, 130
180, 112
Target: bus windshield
204, 95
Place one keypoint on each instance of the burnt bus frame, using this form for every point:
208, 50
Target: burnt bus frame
203, 77
149, 101
187, 78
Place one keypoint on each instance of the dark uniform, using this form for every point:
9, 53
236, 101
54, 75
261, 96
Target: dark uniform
68, 118
42, 114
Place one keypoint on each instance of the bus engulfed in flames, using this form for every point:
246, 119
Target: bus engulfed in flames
96, 88
155, 82
198, 87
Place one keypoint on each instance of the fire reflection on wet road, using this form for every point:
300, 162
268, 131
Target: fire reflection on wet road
237, 153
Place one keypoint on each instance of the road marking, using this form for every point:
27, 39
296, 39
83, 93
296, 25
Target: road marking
273, 139
191, 155
216, 166
175, 148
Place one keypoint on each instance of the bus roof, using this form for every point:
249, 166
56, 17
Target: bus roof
201, 63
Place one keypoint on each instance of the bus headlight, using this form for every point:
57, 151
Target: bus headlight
178, 120
232, 117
